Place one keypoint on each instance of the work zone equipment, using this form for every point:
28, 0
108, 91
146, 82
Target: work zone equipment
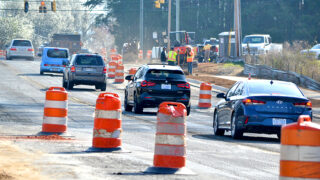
205, 95
55, 111
140, 55
300, 150
149, 54
119, 75
112, 69
107, 121
2, 53
170, 142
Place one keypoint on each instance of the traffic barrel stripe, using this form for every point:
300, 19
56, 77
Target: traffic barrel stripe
55, 112
205, 92
300, 153
171, 128
170, 150
205, 95
204, 101
105, 134
54, 120
110, 114
56, 104
163, 118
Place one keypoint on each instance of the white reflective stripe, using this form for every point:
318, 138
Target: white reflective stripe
300, 153
204, 100
170, 139
54, 120
172, 128
56, 104
294, 178
205, 92
167, 118
112, 73
112, 67
170, 150
107, 114
119, 71
104, 134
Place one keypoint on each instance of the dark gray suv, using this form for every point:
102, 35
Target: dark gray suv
87, 69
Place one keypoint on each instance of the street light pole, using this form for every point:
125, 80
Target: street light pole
237, 27
141, 26
177, 18
169, 25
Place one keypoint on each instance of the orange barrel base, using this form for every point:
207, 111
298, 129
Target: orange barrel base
106, 142
54, 128
169, 161
300, 169
204, 105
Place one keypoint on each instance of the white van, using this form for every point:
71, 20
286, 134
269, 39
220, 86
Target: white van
20, 48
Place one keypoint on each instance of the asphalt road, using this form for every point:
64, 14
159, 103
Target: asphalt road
22, 95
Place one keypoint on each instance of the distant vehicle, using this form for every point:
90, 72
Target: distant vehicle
20, 48
214, 51
54, 60
257, 44
40, 49
259, 106
70, 41
87, 69
84, 51
314, 51
154, 84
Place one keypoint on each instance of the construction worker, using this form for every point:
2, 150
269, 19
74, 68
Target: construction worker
206, 49
163, 56
172, 57
190, 56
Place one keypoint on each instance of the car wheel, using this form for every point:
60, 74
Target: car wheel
279, 135
236, 133
216, 130
69, 85
137, 107
127, 107
103, 87
188, 110
64, 83
41, 72
8, 58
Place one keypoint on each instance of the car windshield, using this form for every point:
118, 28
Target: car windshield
273, 88
316, 46
165, 74
57, 53
21, 43
89, 60
253, 39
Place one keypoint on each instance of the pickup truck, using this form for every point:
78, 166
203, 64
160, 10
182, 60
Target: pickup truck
257, 44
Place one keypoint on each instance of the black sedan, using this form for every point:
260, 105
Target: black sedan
259, 106
154, 84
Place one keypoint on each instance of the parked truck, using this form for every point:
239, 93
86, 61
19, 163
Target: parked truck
70, 41
257, 44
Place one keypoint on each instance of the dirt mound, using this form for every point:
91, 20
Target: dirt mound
219, 69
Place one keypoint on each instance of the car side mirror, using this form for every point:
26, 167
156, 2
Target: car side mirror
221, 95
129, 77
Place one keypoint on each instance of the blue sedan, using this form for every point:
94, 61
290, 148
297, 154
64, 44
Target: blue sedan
259, 106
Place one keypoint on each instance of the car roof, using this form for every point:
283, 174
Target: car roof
257, 35
88, 54
21, 40
268, 82
56, 48
163, 66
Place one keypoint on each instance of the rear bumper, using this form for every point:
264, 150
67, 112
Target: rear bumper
88, 80
149, 101
53, 69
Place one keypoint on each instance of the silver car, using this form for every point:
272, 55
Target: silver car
20, 48
87, 69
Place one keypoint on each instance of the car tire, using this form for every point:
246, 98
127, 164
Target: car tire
138, 109
103, 87
279, 135
215, 125
41, 72
64, 83
70, 85
188, 110
127, 107
236, 133
8, 58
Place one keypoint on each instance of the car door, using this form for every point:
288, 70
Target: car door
233, 102
223, 108
132, 85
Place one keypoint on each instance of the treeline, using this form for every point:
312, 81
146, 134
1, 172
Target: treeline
284, 20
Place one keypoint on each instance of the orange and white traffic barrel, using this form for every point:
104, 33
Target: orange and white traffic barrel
149, 53
120, 60
107, 121
119, 78
115, 58
112, 69
132, 71
300, 150
55, 111
205, 95
2, 53
140, 55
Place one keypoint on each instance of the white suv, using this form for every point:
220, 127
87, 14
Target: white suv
20, 48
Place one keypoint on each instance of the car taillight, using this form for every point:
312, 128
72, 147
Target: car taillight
252, 102
247, 119
104, 70
303, 104
30, 49
184, 85
13, 49
45, 64
147, 83
73, 69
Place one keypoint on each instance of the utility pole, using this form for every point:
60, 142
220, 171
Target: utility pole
237, 26
177, 18
169, 25
141, 26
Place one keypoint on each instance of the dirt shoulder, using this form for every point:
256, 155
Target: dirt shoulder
16, 164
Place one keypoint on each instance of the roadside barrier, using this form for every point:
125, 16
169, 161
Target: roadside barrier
132, 71
115, 58
149, 53
170, 141
300, 150
112, 69
119, 77
55, 110
107, 121
140, 55
205, 95
120, 60
2, 53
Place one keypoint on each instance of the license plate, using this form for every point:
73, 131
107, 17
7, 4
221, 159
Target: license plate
54, 69
88, 69
165, 86
278, 121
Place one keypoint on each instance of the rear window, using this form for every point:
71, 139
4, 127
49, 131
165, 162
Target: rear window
276, 88
89, 60
21, 43
165, 74
57, 53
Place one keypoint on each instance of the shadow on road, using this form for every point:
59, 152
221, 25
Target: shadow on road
244, 139
142, 114
33, 74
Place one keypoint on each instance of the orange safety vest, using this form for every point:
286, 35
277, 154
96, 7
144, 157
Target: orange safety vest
190, 58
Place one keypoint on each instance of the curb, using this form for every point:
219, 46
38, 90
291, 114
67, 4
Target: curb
215, 88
